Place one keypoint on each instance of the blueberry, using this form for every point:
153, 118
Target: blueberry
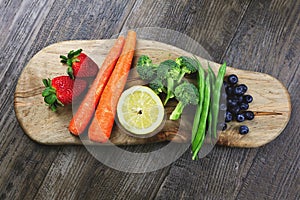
229, 90
249, 115
232, 79
223, 106
224, 126
234, 109
240, 117
228, 116
225, 84
239, 98
243, 130
247, 98
244, 88
238, 90
232, 102
244, 106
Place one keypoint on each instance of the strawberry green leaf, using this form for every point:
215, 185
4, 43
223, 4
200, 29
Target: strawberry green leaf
50, 99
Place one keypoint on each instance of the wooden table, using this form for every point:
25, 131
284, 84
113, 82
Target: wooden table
261, 36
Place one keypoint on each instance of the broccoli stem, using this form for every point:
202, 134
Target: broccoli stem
180, 77
177, 111
170, 87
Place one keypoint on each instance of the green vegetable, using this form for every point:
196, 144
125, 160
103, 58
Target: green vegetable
169, 72
201, 86
157, 86
146, 69
186, 93
167, 78
216, 97
200, 135
210, 117
188, 65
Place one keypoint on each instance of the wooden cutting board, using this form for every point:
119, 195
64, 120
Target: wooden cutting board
271, 104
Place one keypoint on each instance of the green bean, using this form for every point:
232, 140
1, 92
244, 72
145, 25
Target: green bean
216, 97
212, 75
210, 114
199, 138
200, 84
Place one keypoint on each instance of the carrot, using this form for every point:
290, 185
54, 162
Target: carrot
86, 109
101, 126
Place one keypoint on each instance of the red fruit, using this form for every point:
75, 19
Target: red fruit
61, 90
79, 64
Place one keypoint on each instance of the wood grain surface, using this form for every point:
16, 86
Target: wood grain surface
261, 36
271, 104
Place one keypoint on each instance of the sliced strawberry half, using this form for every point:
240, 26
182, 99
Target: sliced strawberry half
79, 64
61, 90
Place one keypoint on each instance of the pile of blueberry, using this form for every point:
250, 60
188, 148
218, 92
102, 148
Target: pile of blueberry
237, 103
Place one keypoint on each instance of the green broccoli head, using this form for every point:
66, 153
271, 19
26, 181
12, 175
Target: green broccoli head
168, 69
157, 86
188, 65
144, 60
187, 94
145, 68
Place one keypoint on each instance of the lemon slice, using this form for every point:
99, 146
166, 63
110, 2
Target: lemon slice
140, 111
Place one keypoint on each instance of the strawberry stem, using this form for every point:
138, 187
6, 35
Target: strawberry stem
49, 94
69, 60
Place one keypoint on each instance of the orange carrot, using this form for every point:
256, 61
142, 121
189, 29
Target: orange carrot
101, 126
88, 106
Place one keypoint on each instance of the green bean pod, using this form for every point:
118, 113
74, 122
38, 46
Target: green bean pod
216, 97
210, 114
212, 75
201, 85
200, 135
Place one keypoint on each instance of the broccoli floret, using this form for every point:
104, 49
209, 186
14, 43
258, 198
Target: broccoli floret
169, 71
145, 68
188, 65
157, 86
187, 94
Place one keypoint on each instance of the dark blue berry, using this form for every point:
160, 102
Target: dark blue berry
234, 110
229, 90
240, 117
239, 98
224, 127
232, 79
249, 115
244, 106
247, 98
225, 84
238, 90
223, 106
244, 88
228, 116
232, 102
243, 130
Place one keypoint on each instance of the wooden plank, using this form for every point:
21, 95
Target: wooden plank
27, 27
16, 163
89, 179
211, 23
267, 41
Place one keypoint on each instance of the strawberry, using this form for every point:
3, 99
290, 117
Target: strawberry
61, 90
79, 64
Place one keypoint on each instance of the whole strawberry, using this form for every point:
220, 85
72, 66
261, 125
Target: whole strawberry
79, 64
61, 90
